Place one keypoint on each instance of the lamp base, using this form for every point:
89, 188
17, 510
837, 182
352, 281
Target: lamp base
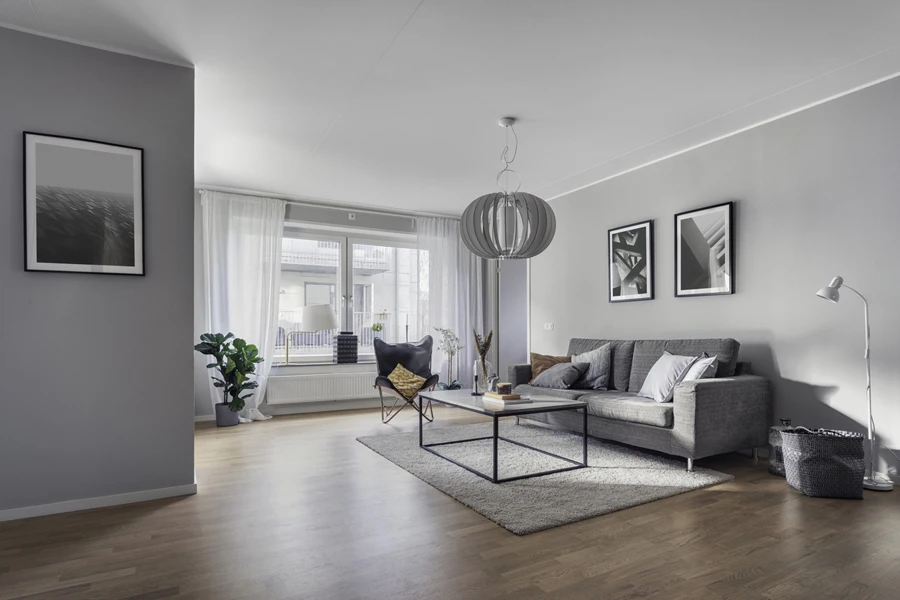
877, 484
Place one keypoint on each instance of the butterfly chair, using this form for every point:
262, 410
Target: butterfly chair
416, 358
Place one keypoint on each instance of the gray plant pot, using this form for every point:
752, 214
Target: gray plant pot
224, 416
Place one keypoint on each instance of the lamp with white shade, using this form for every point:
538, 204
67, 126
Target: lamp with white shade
831, 292
313, 318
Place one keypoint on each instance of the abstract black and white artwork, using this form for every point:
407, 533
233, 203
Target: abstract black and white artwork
631, 262
704, 251
84, 206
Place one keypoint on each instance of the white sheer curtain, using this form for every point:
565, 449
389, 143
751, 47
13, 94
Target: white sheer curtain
242, 276
454, 296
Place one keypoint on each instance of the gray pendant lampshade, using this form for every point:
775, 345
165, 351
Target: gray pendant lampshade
507, 226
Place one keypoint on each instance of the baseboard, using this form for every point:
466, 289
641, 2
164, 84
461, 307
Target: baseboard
199, 418
26, 512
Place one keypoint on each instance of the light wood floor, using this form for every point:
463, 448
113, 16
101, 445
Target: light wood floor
296, 508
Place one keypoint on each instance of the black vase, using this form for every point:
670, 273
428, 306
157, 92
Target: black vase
346, 347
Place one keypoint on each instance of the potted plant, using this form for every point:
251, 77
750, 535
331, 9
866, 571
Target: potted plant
449, 345
378, 325
235, 360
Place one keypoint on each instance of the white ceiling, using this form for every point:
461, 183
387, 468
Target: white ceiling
394, 103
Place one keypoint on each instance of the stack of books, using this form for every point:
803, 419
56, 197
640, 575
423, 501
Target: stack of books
496, 400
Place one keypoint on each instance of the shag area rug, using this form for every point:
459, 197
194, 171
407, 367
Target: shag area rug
617, 476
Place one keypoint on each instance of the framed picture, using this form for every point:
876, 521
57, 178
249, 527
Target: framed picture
84, 206
631, 262
704, 251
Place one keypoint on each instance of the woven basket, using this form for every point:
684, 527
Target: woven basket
824, 463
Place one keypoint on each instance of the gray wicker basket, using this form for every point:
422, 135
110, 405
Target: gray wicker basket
824, 463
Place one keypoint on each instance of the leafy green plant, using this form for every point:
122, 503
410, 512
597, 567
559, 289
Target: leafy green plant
376, 327
235, 361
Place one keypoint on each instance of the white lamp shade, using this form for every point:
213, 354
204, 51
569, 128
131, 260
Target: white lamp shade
318, 317
831, 292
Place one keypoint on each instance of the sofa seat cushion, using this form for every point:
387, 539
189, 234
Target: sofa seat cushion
532, 390
628, 406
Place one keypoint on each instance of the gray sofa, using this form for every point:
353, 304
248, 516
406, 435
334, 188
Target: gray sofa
711, 416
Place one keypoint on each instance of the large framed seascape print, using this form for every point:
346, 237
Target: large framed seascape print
704, 251
84, 206
631, 262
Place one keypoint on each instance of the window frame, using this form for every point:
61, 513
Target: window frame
346, 238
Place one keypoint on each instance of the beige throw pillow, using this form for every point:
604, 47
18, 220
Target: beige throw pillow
542, 362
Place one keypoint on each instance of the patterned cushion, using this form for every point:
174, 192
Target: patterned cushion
406, 382
620, 362
542, 362
647, 352
627, 406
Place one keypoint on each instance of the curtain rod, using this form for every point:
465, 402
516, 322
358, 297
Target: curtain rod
323, 204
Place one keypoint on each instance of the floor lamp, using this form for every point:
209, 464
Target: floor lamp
871, 481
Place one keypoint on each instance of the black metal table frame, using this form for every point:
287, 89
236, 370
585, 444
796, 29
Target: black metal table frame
496, 437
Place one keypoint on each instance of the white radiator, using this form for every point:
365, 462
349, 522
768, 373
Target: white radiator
320, 387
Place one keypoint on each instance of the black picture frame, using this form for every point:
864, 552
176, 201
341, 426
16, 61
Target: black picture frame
100, 180
636, 254
698, 233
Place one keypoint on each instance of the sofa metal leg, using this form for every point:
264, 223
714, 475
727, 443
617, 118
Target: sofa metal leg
690, 465
755, 453
517, 420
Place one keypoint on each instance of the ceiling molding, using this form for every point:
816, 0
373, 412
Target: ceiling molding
859, 75
62, 38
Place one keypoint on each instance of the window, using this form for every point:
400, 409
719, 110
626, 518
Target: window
310, 274
383, 279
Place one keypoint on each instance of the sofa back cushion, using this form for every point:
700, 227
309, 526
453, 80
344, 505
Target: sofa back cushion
647, 352
620, 361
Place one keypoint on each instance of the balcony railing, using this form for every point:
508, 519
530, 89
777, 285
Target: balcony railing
364, 257
320, 342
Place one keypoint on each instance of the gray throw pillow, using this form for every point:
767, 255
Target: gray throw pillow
597, 375
560, 376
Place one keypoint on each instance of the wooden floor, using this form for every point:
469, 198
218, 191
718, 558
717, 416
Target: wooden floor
296, 508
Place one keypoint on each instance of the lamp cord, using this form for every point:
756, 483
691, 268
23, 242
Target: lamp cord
504, 157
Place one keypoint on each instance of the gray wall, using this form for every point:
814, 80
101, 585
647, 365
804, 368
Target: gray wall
817, 195
97, 385
513, 315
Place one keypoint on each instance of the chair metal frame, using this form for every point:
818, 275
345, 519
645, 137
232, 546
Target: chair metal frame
401, 401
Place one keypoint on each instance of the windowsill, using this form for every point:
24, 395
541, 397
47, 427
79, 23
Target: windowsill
322, 364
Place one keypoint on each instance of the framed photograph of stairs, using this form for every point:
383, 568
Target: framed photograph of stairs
704, 251
631, 262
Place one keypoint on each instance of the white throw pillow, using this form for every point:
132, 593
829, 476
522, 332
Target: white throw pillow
668, 371
704, 368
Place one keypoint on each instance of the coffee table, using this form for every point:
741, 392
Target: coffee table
465, 400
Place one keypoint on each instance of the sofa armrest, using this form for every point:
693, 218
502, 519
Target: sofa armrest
519, 374
714, 416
